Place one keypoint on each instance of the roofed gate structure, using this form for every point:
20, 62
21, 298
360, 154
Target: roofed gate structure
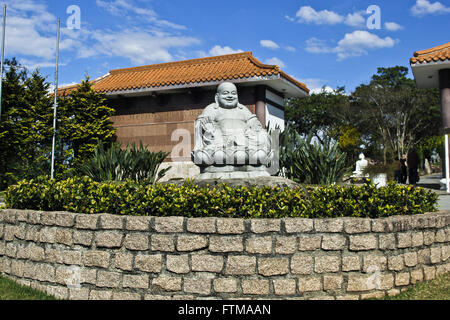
158, 104
431, 69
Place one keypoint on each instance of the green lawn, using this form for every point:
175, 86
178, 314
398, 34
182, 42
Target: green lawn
437, 289
9, 290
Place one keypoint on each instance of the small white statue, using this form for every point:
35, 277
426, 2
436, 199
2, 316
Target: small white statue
360, 165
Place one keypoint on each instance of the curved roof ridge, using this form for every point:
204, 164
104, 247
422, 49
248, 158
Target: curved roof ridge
438, 48
247, 54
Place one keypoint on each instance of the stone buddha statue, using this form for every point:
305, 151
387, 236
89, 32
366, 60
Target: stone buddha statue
360, 165
229, 141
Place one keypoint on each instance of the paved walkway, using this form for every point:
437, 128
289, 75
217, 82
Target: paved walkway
432, 182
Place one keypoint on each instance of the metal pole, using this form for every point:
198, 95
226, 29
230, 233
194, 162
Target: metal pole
447, 169
55, 105
3, 57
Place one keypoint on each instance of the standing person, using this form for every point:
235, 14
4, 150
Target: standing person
404, 169
412, 161
398, 170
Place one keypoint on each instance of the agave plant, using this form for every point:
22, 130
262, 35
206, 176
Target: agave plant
311, 162
117, 164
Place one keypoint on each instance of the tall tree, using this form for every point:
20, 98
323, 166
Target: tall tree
394, 113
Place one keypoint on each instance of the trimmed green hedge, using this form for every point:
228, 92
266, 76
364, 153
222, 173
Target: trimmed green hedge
84, 195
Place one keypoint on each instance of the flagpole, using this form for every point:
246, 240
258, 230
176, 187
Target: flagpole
55, 105
3, 57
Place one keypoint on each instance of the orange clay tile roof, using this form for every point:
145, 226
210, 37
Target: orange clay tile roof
434, 54
219, 68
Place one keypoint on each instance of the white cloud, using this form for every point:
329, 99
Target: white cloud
275, 61
353, 44
291, 49
137, 46
423, 7
306, 14
123, 7
219, 51
355, 19
316, 85
392, 26
269, 44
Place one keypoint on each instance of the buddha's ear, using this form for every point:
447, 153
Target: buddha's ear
217, 100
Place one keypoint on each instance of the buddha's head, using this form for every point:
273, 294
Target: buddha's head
227, 96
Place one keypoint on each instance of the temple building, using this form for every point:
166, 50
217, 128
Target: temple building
431, 69
158, 104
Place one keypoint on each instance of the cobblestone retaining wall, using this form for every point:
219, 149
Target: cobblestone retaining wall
78, 256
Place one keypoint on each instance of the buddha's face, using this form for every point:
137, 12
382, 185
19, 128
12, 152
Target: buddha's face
227, 96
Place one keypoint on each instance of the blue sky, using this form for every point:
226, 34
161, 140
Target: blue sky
322, 43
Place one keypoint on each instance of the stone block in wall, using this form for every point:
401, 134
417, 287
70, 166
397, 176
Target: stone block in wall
298, 225
22, 215
325, 264
48, 218
162, 242
357, 225
309, 284
416, 276
53, 255
112, 222
88, 276
100, 295
309, 243
404, 240
358, 282
191, 242
429, 272
83, 238
402, 223
135, 223
135, 281
34, 217
255, 287
373, 263
385, 282
410, 259
36, 253
262, 245
9, 232
333, 242
108, 239
57, 292
79, 294
417, 239
29, 270
11, 250
148, 263
19, 232
396, 263
201, 225
383, 225
64, 236
438, 237
428, 237
332, 282
351, 263
445, 252
17, 268
2, 231
197, 286
136, 241
387, 241
230, 226
435, 255
363, 242
265, 225
302, 264
225, 285
226, 244
329, 225
71, 257
23, 251
126, 296
87, 221
123, 261
2, 248
402, 279
108, 279
48, 235
273, 266
65, 219
32, 234
207, 263
178, 263
284, 287
169, 224
45, 272
165, 283
96, 258
285, 245
240, 265
423, 256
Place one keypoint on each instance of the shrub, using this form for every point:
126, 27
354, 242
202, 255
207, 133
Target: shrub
83, 195
305, 161
117, 164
